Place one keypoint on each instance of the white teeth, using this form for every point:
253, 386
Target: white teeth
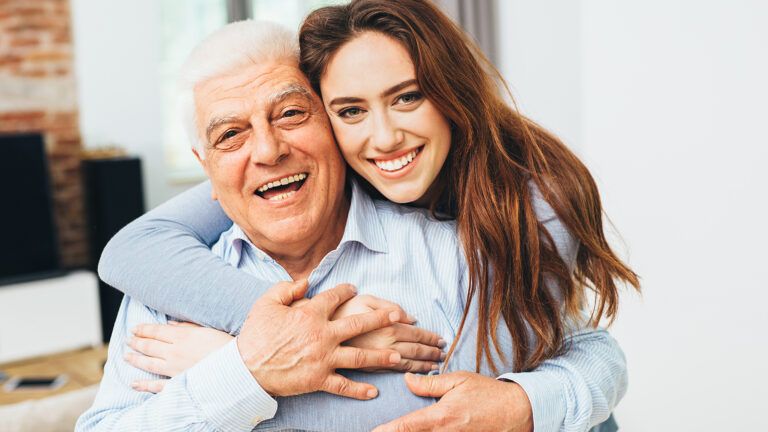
282, 196
282, 182
396, 164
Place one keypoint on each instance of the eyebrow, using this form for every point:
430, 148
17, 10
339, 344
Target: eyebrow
292, 89
275, 98
216, 122
388, 92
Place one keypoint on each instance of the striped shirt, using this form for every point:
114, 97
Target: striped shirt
393, 252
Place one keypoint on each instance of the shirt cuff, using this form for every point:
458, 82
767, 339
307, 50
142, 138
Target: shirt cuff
226, 392
547, 396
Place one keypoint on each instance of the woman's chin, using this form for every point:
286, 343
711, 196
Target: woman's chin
402, 194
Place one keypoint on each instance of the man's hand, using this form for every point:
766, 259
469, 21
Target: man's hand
292, 351
468, 402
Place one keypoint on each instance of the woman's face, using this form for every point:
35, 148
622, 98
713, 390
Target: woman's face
387, 130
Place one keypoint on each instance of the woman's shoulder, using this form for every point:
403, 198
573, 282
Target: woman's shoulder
565, 242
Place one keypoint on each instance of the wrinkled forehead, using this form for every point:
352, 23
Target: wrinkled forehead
259, 86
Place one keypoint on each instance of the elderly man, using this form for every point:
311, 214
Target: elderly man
274, 168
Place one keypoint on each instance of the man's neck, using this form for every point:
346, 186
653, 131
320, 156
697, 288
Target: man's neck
299, 260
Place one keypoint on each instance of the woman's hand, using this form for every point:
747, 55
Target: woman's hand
420, 349
170, 349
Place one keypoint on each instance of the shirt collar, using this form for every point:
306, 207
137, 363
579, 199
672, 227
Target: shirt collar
363, 226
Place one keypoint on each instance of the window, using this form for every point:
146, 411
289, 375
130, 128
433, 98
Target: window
187, 22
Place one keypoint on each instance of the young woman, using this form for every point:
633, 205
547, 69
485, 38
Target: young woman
419, 116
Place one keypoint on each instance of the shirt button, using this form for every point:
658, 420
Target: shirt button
256, 420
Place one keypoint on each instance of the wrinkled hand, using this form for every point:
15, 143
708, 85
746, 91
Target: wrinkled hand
295, 350
468, 402
169, 350
419, 348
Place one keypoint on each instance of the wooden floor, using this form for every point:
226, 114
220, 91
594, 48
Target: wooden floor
83, 367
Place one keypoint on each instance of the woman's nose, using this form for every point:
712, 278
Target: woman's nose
386, 136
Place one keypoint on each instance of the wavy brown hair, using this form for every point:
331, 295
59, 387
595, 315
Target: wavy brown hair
496, 156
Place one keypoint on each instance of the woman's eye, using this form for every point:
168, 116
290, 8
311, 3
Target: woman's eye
350, 112
409, 97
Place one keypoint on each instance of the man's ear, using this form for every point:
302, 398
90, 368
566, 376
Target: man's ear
204, 164
199, 159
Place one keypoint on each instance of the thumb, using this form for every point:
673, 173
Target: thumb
432, 385
285, 293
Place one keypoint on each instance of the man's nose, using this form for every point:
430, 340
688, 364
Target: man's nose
386, 136
267, 148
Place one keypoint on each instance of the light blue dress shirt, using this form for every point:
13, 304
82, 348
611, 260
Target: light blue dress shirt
393, 252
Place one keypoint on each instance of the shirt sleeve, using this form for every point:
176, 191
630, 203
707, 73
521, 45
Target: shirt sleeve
216, 394
578, 389
171, 246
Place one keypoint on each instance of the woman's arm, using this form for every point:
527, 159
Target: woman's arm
163, 260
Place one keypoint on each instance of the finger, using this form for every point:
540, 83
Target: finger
416, 351
357, 358
328, 301
424, 419
409, 333
433, 385
377, 303
415, 366
148, 364
284, 293
355, 325
162, 332
150, 386
182, 324
148, 347
339, 385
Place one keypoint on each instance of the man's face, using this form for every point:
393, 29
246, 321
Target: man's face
270, 154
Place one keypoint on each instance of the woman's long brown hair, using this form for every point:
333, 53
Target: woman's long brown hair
486, 183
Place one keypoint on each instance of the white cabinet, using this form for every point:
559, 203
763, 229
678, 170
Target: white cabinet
50, 315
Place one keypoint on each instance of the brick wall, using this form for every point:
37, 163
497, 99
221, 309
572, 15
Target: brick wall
38, 93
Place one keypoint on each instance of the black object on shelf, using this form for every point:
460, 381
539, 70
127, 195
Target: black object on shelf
114, 197
30, 243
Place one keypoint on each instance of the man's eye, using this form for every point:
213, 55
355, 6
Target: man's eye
228, 134
293, 113
409, 97
349, 113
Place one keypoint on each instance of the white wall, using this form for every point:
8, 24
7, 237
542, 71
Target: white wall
538, 54
117, 59
672, 114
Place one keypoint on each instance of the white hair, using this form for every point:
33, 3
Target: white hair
230, 47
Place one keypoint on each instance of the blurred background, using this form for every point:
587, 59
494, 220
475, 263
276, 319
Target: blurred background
665, 101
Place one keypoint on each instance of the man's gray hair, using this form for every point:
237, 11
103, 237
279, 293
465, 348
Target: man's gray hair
232, 46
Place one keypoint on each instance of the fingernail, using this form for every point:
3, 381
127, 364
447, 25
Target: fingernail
411, 318
435, 367
134, 386
394, 316
354, 289
394, 358
443, 356
371, 393
441, 343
